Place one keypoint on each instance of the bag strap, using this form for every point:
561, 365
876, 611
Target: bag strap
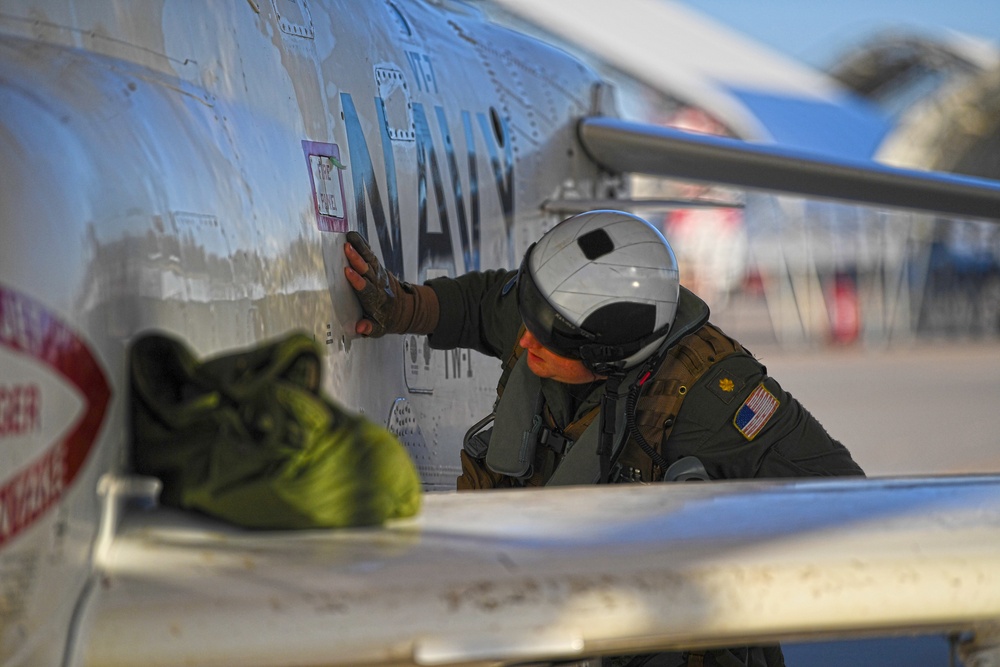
574, 430
662, 394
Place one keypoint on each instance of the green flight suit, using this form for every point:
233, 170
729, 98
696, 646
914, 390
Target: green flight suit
479, 310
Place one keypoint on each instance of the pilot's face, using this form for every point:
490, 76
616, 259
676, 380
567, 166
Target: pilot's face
547, 364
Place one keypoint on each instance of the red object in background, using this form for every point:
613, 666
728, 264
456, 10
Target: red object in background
845, 311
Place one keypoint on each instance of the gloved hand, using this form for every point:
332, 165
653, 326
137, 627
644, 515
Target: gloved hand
390, 306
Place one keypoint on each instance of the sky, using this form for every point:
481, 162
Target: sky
816, 31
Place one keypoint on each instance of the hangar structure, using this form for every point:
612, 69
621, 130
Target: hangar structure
806, 272
943, 95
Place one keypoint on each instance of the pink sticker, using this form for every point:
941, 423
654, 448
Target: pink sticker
326, 175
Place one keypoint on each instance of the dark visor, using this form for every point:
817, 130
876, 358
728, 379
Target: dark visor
544, 322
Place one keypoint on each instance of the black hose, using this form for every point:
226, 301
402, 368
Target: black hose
633, 428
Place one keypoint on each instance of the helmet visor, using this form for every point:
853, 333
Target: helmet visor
545, 323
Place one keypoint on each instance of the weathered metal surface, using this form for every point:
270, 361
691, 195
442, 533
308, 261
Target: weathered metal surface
189, 168
505, 575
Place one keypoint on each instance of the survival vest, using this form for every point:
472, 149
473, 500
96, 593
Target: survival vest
525, 450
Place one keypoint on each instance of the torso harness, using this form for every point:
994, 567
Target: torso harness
524, 448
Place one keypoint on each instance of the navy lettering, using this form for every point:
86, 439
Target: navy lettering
434, 248
468, 229
503, 175
365, 183
423, 72
453, 363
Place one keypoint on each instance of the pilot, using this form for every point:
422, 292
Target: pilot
612, 372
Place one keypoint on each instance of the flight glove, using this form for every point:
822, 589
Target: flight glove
393, 306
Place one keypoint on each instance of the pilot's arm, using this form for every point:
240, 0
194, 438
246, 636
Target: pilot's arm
390, 305
477, 310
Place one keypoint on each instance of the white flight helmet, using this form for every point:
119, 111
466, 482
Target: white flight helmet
601, 287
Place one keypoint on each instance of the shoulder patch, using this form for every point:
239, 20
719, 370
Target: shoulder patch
755, 412
726, 385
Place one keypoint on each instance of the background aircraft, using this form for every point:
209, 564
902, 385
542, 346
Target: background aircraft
193, 169
807, 272
676, 68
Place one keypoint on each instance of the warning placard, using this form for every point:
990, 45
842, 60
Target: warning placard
49, 374
327, 180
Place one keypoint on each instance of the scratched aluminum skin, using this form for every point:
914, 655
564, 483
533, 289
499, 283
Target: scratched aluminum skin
470, 581
192, 167
157, 175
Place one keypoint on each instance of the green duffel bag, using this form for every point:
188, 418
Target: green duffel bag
249, 437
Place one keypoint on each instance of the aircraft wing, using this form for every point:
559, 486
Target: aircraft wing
516, 576
626, 146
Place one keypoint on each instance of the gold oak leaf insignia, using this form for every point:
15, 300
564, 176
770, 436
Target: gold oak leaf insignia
725, 384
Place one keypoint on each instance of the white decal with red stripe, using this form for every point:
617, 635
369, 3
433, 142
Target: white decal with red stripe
53, 397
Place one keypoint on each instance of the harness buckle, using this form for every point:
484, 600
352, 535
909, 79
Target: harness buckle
557, 442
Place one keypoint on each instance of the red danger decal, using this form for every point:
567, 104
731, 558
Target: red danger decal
19, 408
27, 328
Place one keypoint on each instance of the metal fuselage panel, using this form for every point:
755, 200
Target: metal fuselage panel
191, 168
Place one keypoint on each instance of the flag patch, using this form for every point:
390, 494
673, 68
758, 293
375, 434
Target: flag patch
755, 412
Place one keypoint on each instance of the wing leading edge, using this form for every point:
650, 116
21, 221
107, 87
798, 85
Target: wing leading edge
625, 146
532, 575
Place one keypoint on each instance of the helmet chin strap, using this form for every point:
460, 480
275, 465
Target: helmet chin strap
604, 368
610, 359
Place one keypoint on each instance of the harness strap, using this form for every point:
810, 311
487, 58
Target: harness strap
662, 395
659, 401
574, 430
508, 365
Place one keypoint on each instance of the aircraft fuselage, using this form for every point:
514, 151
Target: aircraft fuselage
192, 168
